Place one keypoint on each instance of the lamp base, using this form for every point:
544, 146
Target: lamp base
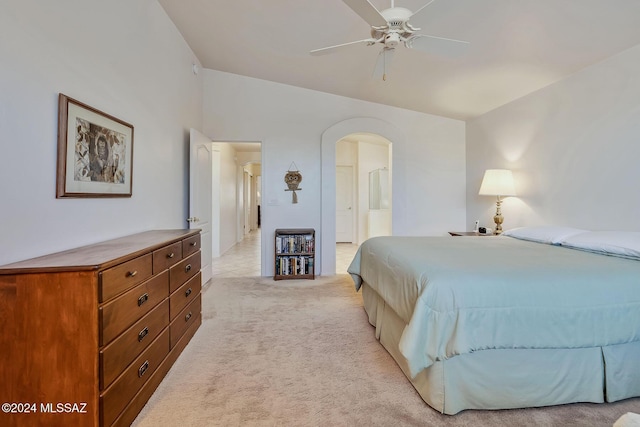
497, 218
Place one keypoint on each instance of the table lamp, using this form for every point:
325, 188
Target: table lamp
499, 183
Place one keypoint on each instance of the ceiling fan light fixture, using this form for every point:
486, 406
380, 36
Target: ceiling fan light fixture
391, 40
390, 27
396, 16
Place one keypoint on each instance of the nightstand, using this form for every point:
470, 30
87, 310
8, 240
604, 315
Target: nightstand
468, 233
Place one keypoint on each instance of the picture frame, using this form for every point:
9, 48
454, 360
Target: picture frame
95, 152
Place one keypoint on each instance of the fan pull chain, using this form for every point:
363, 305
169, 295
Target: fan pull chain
384, 62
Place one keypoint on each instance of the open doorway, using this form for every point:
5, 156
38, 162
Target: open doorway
338, 131
363, 193
236, 209
250, 199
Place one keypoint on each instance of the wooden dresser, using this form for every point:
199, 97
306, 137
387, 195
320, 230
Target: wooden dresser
86, 335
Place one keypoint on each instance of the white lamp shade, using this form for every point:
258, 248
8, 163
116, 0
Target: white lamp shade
497, 182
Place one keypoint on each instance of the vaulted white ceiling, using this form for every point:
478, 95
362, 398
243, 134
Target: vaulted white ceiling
517, 47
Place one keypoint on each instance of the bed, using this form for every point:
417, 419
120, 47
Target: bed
541, 316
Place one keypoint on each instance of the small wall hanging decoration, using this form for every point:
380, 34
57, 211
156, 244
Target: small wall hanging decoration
293, 177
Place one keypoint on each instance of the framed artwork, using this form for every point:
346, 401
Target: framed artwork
95, 152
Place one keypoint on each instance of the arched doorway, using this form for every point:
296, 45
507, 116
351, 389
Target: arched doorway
333, 134
363, 198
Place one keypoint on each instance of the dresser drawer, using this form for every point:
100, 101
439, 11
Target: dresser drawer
130, 413
190, 245
119, 314
184, 295
166, 257
185, 319
183, 271
115, 280
115, 357
116, 398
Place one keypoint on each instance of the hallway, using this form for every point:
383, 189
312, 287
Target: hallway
243, 259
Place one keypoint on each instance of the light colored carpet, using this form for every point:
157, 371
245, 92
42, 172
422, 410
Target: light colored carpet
302, 353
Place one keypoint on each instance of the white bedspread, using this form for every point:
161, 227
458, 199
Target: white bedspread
462, 294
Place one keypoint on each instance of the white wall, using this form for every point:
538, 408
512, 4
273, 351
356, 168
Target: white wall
429, 165
251, 158
123, 57
573, 146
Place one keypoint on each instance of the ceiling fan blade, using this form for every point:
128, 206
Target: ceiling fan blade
367, 11
438, 45
383, 63
417, 12
331, 49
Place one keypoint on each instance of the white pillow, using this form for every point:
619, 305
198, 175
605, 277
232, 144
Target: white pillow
544, 234
619, 243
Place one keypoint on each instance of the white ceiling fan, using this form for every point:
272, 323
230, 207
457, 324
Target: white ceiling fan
391, 27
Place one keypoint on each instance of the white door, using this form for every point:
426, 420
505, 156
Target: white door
200, 195
344, 204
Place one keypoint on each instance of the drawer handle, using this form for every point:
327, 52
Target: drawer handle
187, 268
187, 292
132, 273
187, 317
194, 243
143, 298
171, 255
143, 333
143, 368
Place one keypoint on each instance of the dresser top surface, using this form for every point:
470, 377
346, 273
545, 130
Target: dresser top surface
99, 255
